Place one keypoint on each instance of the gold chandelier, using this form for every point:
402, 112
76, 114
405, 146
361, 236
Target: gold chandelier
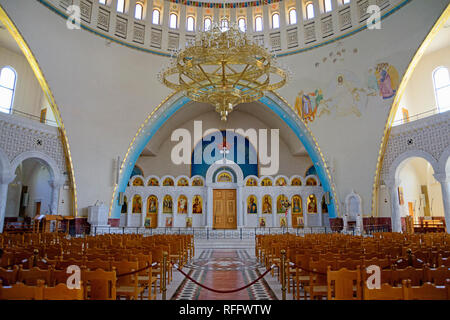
223, 68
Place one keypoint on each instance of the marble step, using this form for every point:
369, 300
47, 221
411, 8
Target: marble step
224, 244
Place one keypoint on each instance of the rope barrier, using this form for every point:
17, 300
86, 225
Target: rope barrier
137, 271
224, 291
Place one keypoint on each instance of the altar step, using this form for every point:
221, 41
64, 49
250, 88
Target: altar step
224, 244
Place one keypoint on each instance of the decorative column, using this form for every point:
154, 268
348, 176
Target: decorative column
4, 183
144, 211
55, 185
395, 214
161, 223
210, 211
444, 180
240, 208
305, 210
274, 212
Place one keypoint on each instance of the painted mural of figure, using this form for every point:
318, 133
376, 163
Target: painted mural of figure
182, 205
167, 205
388, 80
386, 85
137, 204
312, 204
252, 207
283, 222
267, 205
153, 205
197, 206
311, 104
372, 83
296, 205
281, 204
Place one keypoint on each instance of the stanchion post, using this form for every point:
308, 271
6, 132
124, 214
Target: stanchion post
283, 274
163, 281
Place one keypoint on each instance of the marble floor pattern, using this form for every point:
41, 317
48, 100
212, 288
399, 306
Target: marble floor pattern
224, 269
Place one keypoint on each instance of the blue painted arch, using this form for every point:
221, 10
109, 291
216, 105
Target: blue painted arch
176, 102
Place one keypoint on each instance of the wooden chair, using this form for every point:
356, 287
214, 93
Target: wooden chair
386, 292
99, 284
128, 285
98, 264
437, 276
409, 273
428, 291
62, 292
318, 285
145, 277
21, 291
31, 277
344, 284
10, 276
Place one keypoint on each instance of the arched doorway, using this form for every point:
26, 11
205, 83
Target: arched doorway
416, 195
176, 101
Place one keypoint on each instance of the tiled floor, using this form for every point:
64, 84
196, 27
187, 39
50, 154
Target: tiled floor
224, 269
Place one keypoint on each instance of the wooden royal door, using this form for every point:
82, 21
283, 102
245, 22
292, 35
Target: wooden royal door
225, 215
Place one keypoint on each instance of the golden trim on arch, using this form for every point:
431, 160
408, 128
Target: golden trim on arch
398, 97
15, 33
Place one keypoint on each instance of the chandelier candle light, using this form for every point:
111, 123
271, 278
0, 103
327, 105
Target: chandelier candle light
223, 68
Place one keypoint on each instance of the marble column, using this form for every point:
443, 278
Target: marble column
5, 180
395, 214
56, 186
444, 180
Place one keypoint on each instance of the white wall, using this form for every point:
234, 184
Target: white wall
28, 96
161, 164
105, 92
419, 94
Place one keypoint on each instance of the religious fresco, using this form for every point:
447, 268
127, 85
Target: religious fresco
311, 182
169, 222
262, 222
188, 222
138, 182
300, 222
252, 206
167, 204
137, 204
251, 183
266, 182
197, 182
296, 182
153, 182
282, 203
297, 205
283, 222
307, 105
267, 204
312, 204
152, 204
168, 182
182, 205
148, 223
281, 182
383, 81
183, 182
224, 177
197, 205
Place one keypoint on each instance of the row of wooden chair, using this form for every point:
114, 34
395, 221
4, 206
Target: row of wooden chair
21, 291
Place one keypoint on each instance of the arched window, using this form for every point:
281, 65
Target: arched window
155, 16
173, 21
121, 6
139, 11
207, 24
327, 7
441, 81
309, 11
224, 25
275, 21
292, 16
8, 78
258, 24
102, 2
241, 24
190, 24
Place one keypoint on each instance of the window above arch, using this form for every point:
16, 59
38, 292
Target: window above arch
156, 16
309, 10
441, 82
242, 25
190, 24
8, 80
275, 21
224, 25
258, 24
121, 6
327, 5
292, 16
207, 24
139, 11
173, 21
